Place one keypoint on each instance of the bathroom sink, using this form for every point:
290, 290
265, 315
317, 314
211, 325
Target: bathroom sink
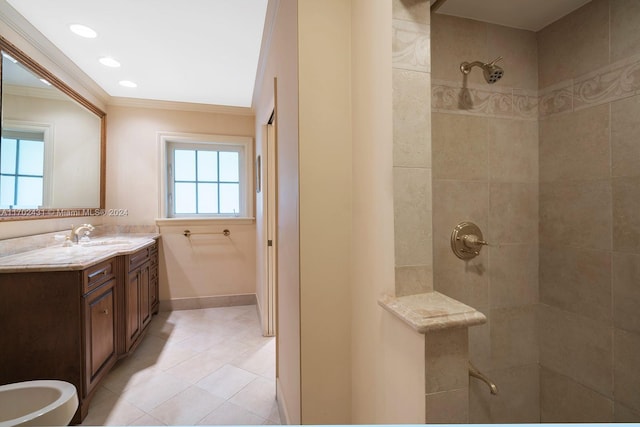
37, 403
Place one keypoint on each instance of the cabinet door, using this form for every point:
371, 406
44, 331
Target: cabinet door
100, 330
132, 306
145, 295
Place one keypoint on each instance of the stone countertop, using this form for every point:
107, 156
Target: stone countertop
76, 257
432, 311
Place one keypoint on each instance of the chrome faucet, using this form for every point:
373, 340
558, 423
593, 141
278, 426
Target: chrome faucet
76, 231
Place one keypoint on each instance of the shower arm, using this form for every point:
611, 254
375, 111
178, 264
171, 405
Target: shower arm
466, 67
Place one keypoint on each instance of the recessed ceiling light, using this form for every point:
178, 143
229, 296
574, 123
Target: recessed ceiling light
83, 31
45, 82
109, 62
127, 83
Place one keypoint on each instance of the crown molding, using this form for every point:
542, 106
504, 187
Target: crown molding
117, 101
32, 39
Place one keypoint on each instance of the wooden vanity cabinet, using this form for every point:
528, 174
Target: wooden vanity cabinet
140, 296
100, 322
74, 325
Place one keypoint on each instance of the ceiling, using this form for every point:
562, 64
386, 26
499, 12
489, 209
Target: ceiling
207, 51
197, 51
531, 15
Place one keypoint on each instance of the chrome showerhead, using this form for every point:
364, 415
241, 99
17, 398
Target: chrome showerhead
492, 72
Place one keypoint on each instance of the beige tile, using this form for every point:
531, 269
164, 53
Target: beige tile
514, 336
147, 420
626, 372
626, 292
457, 201
412, 209
411, 119
464, 280
513, 213
518, 398
187, 407
625, 19
575, 145
456, 40
526, 105
411, 45
576, 280
448, 407
480, 344
230, 414
258, 361
446, 360
411, 10
519, 48
258, 397
566, 401
228, 350
556, 99
513, 275
226, 381
576, 214
454, 202
154, 391
463, 99
626, 214
113, 412
513, 150
479, 403
460, 147
574, 44
196, 368
411, 280
564, 340
625, 415
625, 127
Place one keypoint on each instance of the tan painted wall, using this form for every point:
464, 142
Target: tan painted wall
207, 266
281, 63
325, 209
387, 356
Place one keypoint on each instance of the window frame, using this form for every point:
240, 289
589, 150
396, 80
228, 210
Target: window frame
46, 130
169, 141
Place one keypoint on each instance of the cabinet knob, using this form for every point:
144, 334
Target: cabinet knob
105, 311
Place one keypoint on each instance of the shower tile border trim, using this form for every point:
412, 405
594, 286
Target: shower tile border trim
618, 80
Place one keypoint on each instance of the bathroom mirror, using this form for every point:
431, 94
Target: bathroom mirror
52, 147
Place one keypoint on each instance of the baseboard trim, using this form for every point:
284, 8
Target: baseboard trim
282, 406
207, 302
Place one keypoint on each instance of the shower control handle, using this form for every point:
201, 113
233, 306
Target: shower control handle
467, 240
471, 241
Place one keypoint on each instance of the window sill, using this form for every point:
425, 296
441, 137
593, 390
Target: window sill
204, 221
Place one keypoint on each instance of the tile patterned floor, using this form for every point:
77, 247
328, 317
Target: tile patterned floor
194, 367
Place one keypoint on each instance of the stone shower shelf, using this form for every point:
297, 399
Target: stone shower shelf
432, 311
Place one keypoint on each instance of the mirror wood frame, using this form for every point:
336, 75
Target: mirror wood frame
46, 213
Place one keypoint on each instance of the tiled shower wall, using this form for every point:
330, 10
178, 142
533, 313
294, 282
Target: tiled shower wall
561, 130
589, 323
485, 170
412, 146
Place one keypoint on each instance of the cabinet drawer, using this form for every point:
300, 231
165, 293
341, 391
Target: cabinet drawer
138, 258
97, 275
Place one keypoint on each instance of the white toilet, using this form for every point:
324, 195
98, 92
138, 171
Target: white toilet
37, 403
